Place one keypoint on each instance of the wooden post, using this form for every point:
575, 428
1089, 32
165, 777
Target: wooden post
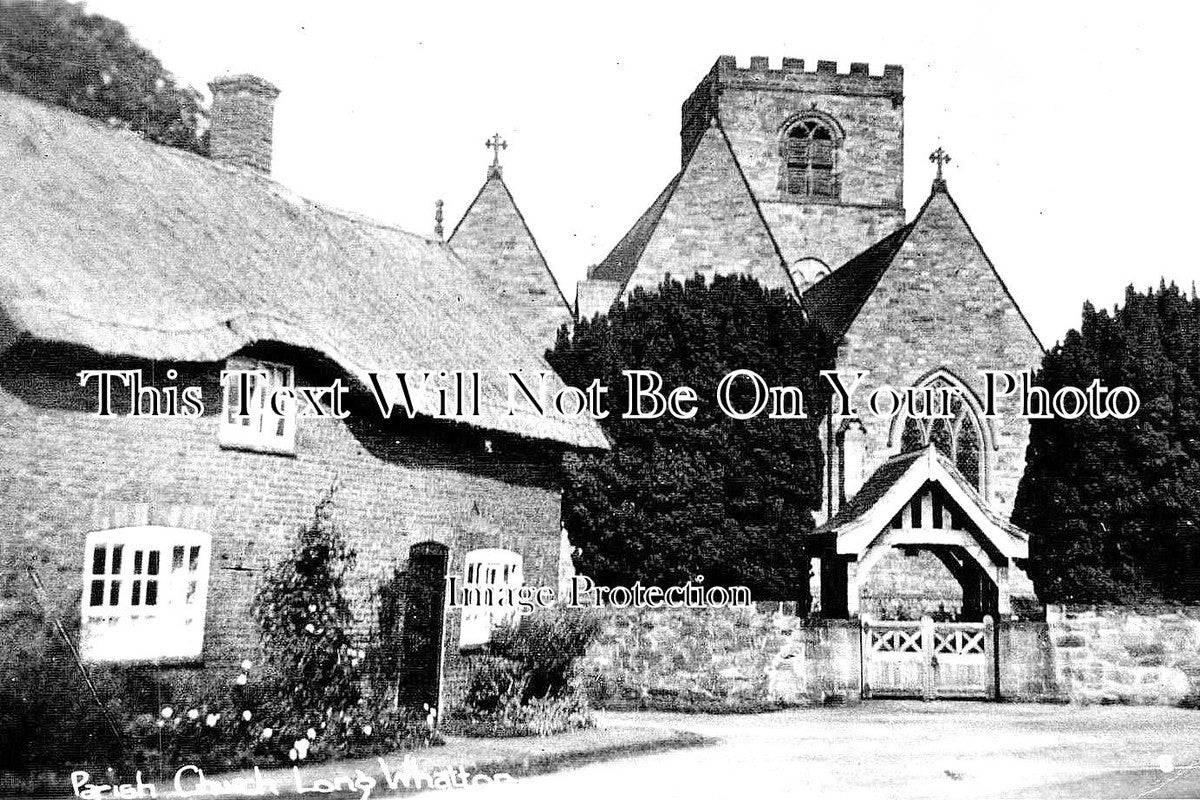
852, 588
928, 691
991, 663
864, 653
39, 595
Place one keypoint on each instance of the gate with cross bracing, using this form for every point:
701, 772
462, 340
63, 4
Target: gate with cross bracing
929, 659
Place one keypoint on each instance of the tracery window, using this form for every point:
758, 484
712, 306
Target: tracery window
955, 432
810, 153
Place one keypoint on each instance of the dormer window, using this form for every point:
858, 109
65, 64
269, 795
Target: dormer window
254, 414
810, 157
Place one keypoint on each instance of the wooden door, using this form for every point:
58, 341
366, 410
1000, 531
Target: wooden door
424, 612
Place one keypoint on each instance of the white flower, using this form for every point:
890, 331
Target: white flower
312, 608
247, 664
246, 715
212, 719
426, 706
309, 627
367, 730
292, 754
193, 713
312, 733
241, 679
166, 712
267, 733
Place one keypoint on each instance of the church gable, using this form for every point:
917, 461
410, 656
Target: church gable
710, 225
928, 301
941, 295
495, 242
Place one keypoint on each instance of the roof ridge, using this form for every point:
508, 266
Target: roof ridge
660, 201
537, 248
138, 140
757, 207
988, 259
892, 242
669, 190
494, 176
470, 206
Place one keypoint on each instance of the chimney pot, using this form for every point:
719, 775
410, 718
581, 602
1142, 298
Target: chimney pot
243, 121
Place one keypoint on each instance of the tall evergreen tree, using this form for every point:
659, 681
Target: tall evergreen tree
1114, 505
711, 496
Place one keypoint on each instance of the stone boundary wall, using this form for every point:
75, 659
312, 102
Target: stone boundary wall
723, 659
1129, 655
751, 659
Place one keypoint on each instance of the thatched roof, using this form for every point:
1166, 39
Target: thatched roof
129, 248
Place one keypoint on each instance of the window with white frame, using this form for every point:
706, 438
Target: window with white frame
269, 421
491, 578
144, 594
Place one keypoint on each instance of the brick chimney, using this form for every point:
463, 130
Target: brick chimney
243, 121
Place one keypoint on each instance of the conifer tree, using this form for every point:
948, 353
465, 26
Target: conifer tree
712, 496
1114, 505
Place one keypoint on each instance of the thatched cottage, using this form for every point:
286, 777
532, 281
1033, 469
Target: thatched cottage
151, 532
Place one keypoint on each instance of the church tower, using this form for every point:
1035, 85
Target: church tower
786, 175
822, 152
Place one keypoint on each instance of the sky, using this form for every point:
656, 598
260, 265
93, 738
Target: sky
1072, 126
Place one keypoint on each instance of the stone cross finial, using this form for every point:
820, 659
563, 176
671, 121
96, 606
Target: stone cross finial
437, 221
941, 158
496, 144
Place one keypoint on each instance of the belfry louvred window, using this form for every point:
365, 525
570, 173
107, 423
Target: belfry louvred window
811, 157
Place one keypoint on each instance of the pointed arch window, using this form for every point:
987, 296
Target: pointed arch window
810, 155
956, 433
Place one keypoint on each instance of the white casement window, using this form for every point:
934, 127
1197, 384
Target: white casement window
489, 575
144, 594
261, 428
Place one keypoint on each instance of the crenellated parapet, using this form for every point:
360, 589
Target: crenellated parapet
791, 76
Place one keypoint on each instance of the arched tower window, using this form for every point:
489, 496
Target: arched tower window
810, 157
956, 431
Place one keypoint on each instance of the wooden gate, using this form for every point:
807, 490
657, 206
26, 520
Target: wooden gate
929, 659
